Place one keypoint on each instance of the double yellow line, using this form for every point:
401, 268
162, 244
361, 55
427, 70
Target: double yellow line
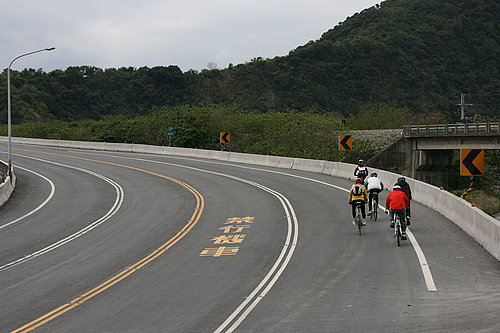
200, 204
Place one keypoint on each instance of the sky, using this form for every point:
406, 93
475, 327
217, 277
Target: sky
191, 34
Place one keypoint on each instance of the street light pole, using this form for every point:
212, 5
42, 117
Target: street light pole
9, 118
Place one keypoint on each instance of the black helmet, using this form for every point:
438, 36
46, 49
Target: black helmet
401, 179
374, 174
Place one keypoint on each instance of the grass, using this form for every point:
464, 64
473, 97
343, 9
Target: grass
488, 203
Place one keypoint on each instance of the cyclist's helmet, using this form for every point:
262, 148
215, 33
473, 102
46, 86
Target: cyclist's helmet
396, 187
401, 179
359, 181
361, 162
374, 174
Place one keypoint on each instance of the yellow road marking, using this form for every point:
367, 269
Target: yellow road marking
200, 204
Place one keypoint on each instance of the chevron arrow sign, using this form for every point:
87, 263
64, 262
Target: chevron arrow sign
345, 142
472, 162
225, 137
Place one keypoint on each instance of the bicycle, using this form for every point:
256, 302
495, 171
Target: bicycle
397, 228
359, 218
374, 213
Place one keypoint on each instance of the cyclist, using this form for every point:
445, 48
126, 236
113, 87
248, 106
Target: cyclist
405, 187
361, 171
396, 203
357, 193
373, 185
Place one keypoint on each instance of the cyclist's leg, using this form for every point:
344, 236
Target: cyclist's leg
370, 200
353, 207
391, 217
376, 193
408, 213
363, 213
402, 218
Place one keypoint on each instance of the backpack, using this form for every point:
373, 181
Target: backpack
357, 190
362, 173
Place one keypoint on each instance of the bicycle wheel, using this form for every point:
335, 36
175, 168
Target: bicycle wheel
375, 207
398, 231
359, 220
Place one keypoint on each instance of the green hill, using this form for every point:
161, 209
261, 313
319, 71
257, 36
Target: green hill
417, 54
414, 54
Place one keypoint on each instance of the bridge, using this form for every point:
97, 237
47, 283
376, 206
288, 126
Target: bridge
427, 152
454, 136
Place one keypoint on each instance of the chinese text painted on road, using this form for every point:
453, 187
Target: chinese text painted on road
232, 234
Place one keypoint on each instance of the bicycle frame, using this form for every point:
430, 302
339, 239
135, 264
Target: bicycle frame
397, 228
359, 218
375, 206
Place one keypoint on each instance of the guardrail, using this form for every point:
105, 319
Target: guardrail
466, 129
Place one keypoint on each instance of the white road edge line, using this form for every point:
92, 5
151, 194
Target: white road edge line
253, 296
52, 192
114, 209
429, 281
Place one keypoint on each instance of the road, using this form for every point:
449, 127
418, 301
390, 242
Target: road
115, 242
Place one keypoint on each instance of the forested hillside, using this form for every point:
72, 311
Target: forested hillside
413, 54
419, 54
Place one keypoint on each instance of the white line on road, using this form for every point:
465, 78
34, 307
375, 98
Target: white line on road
114, 209
429, 281
52, 191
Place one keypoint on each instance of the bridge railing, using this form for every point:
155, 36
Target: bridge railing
467, 129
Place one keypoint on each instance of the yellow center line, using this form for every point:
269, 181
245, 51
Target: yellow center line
200, 204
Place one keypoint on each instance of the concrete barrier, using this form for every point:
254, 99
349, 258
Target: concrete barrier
8, 183
480, 226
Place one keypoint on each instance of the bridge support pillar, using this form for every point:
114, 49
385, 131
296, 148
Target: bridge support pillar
403, 157
432, 166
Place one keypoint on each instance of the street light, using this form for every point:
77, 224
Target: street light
9, 129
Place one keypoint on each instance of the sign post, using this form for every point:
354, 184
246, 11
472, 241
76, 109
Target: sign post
170, 134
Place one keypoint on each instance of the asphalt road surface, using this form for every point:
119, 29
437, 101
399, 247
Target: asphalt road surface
115, 242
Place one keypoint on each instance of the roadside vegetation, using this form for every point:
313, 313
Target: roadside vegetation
485, 190
292, 134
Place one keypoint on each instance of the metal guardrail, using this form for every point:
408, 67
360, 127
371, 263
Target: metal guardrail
468, 129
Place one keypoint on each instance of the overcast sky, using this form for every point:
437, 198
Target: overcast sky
187, 33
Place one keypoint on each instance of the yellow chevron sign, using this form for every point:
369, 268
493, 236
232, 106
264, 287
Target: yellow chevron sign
345, 142
472, 162
225, 137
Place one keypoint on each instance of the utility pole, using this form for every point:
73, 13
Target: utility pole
462, 106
